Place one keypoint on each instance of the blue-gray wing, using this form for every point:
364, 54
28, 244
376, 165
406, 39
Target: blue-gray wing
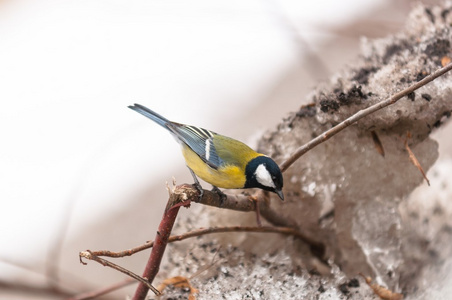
200, 140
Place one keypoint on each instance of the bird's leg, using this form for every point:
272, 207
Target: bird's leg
220, 194
197, 185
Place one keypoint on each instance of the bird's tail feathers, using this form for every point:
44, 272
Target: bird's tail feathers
150, 114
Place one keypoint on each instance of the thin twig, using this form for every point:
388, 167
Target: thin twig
203, 231
124, 253
103, 291
359, 115
88, 255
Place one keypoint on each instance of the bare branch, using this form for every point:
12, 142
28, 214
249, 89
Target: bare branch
361, 114
318, 247
88, 255
245, 203
178, 197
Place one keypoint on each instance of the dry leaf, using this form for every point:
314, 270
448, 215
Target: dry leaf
445, 61
414, 159
179, 282
378, 143
380, 291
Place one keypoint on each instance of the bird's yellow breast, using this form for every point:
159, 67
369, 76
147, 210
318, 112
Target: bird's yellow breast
227, 176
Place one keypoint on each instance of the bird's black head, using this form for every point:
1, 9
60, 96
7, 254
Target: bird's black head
262, 172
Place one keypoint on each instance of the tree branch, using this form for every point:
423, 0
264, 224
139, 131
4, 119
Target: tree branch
89, 255
316, 247
177, 198
361, 114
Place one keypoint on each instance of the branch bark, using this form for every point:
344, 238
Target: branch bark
316, 247
161, 239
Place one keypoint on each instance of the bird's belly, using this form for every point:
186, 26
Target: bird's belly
227, 177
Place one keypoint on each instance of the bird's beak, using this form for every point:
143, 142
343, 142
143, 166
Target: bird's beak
280, 194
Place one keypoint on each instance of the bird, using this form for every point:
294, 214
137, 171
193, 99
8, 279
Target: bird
219, 160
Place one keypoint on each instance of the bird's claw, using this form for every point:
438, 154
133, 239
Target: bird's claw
197, 186
220, 194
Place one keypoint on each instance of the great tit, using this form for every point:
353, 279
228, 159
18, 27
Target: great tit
219, 160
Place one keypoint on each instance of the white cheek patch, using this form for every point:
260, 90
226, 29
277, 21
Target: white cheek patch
264, 177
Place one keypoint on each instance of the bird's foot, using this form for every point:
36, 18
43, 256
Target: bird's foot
198, 186
220, 194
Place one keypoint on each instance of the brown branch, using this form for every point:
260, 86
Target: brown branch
128, 252
245, 203
88, 255
238, 202
177, 196
103, 291
315, 246
359, 115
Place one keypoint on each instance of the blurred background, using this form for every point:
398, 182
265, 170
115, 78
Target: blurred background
79, 170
